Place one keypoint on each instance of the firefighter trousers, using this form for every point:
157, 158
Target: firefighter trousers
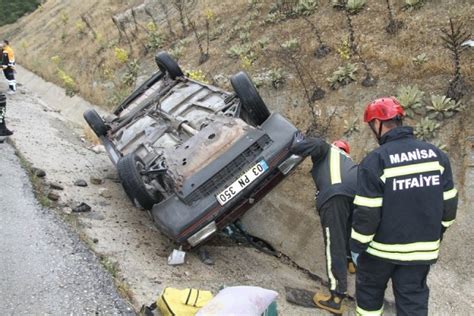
336, 218
3, 105
408, 282
10, 76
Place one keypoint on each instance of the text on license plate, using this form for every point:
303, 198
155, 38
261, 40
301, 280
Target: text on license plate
241, 183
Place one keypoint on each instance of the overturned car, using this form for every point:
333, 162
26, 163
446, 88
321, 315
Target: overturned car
198, 157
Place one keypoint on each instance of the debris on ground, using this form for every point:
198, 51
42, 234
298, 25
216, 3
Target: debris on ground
53, 196
80, 183
67, 210
98, 149
103, 192
81, 208
40, 173
96, 180
176, 257
56, 186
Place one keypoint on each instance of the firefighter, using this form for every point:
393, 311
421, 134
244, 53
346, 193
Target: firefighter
404, 203
335, 176
8, 65
4, 131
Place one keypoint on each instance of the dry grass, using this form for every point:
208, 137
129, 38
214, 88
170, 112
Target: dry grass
90, 136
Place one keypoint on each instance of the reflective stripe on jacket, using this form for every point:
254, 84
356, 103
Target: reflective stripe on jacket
405, 200
334, 172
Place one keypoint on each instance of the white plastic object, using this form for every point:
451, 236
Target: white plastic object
239, 300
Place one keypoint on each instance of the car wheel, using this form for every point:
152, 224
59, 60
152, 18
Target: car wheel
166, 63
251, 101
95, 122
135, 184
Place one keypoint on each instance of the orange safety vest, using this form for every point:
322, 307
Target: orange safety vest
10, 55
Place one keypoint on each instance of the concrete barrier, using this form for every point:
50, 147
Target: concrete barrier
55, 97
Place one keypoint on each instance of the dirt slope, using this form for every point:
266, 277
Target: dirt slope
76, 44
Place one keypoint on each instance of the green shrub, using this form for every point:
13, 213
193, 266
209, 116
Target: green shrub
410, 98
68, 83
414, 4
355, 6
216, 32
426, 129
244, 36
420, 59
121, 55
246, 61
81, 28
263, 42
443, 107
277, 77
351, 126
155, 38
238, 50
254, 4
343, 75
344, 50
197, 75
177, 52
131, 75
291, 44
274, 17
305, 7
56, 60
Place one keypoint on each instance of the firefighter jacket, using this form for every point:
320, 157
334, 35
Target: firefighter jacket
8, 57
405, 200
334, 172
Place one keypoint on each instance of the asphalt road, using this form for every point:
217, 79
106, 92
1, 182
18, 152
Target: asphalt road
44, 267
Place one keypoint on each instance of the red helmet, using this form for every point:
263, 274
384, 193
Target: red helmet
383, 109
342, 144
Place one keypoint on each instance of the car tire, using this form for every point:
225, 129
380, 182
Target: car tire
129, 167
95, 122
166, 63
251, 101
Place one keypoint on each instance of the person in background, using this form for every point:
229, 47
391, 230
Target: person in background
404, 203
4, 131
335, 176
8, 65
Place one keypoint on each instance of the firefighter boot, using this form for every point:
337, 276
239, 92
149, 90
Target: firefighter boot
331, 303
5, 132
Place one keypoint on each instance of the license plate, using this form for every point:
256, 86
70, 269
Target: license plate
241, 183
